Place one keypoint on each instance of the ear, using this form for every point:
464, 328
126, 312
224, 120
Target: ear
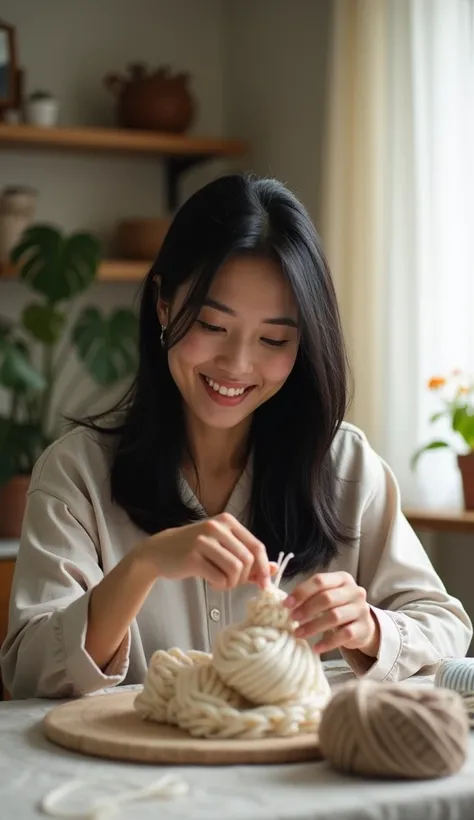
162, 307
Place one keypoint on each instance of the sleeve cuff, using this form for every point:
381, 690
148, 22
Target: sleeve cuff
383, 667
84, 673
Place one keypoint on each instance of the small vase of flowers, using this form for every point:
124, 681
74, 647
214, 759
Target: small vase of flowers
456, 395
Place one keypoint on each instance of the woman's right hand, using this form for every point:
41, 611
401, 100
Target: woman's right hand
220, 550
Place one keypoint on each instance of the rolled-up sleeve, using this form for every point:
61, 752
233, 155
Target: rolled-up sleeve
58, 565
420, 623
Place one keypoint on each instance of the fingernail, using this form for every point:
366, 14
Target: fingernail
290, 602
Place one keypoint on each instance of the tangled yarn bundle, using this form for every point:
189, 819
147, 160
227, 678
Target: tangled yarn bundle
260, 680
389, 730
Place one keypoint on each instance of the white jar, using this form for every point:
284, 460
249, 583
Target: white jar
42, 112
17, 211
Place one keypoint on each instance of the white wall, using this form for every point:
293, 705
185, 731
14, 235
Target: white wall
276, 59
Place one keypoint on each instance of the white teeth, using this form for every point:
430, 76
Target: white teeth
225, 391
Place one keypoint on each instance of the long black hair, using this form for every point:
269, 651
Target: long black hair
293, 497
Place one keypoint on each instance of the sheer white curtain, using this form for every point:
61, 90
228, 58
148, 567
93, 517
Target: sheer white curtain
353, 199
430, 232
399, 218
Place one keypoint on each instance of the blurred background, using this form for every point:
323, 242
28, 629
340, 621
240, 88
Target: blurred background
113, 112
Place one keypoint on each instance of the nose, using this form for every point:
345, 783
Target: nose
236, 359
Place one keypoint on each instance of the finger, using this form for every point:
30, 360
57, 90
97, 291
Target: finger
251, 542
349, 636
211, 573
327, 601
255, 579
333, 619
226, 538
224, 559
321, 582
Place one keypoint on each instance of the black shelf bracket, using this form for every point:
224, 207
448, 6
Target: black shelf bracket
175, 167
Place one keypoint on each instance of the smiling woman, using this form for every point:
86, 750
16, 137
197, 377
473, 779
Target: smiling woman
146, 527
239, 353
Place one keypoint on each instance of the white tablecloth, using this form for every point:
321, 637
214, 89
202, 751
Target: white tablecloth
30, 766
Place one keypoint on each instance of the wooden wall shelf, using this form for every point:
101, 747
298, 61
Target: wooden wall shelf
110, 270
123, 270
178, 152
440, 520
118, 139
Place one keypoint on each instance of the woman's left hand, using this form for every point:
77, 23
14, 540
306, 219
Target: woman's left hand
331, 603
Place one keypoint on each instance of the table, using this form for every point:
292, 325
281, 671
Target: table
30, 766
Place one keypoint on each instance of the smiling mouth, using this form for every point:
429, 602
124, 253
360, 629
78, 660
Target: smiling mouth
223, 390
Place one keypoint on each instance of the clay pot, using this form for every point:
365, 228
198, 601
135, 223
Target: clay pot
141, 238
466, 467
156, 101
12, 506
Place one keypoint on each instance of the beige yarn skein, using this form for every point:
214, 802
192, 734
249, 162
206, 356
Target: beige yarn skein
389, 730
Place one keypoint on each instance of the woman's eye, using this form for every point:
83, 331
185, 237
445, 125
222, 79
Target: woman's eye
210, 328
275, 342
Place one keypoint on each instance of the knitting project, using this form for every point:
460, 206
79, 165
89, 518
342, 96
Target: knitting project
260, 680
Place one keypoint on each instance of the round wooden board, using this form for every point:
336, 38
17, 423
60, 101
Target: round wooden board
108, 726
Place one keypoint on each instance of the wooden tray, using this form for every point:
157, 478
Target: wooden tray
108, 726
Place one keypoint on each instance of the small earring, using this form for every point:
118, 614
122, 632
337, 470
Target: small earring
162, 337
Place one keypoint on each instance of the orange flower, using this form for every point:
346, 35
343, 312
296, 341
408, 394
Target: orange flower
436, 382
463, 390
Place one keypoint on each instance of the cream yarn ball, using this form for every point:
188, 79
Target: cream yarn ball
390, 730
262, 659
259, 681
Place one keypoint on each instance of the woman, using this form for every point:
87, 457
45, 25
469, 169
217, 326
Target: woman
150, 529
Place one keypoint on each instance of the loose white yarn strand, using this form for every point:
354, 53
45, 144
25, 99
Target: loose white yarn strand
282, 564
167, 786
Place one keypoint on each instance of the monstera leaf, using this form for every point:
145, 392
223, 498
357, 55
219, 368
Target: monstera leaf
55, 265
44, 322
107, 346
16, 370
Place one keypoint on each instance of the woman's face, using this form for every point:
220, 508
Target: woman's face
242, 347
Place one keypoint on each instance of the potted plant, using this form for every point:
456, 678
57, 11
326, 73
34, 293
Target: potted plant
42, 109
35, 355
456, 394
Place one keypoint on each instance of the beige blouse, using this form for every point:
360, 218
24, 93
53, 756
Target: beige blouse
73, 534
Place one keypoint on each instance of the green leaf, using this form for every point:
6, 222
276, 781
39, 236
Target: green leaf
44, 323
463, 423
434, 445
57, 266
16, 370
437, 416
107, 347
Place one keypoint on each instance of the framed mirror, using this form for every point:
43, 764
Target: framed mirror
8, 68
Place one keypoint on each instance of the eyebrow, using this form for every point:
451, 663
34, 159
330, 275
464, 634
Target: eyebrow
286, 321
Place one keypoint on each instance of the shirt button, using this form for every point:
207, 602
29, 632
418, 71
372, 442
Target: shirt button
215, 615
